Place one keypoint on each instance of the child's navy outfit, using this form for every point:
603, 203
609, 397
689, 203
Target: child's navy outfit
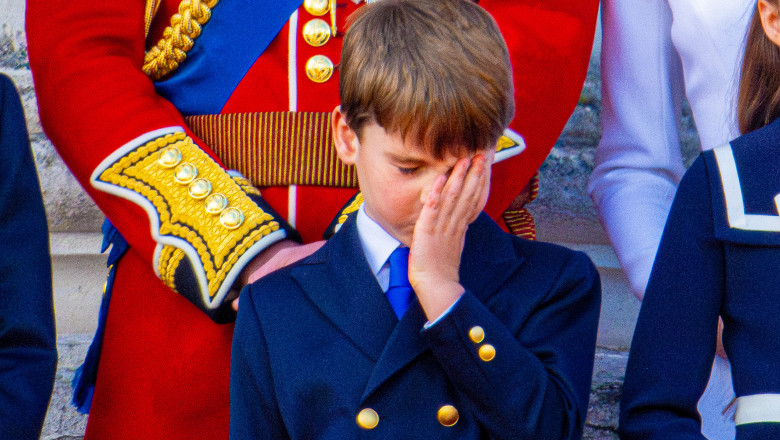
720, 255
318, 353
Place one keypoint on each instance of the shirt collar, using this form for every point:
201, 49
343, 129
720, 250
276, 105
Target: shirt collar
377, 243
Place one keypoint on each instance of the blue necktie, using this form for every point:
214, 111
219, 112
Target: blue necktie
399, 292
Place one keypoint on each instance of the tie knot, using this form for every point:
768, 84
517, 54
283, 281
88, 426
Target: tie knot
399, 267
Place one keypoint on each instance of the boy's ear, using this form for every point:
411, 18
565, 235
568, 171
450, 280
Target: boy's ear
770, 19
344, 138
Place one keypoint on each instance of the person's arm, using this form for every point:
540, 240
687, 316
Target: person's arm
675, 337
254, 413
538, 382
534, 380
638, 163
549, 46
110, 127
28, 350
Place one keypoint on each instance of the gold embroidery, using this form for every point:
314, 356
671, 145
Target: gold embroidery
505, 143
178, 38
352, 207
246, 185
170, 258
185, 218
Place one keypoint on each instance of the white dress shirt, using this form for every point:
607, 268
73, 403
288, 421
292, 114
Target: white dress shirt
377, 246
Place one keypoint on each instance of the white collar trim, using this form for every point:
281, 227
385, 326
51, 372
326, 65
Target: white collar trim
735, 204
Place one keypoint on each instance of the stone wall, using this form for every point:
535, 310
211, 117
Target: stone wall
68, 207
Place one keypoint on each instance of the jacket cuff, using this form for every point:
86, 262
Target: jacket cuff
207, 224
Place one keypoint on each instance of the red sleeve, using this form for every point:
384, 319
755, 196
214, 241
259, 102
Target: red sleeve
103, 115
549, 45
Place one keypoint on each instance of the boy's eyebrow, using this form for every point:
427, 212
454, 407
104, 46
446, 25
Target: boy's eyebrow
406, 160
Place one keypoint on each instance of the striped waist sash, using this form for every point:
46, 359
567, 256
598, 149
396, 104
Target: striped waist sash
291, 148
276, 148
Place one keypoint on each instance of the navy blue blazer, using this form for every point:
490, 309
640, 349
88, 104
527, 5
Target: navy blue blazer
719, 255
317, 345
28, 351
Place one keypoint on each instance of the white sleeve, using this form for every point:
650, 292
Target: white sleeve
638, 163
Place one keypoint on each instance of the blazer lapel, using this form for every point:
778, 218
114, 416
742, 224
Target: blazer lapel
488, 261
340, 283
489, 258
402, 347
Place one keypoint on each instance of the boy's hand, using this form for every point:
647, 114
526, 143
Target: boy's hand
439, 234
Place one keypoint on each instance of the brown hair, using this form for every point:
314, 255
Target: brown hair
438, 71
758, 102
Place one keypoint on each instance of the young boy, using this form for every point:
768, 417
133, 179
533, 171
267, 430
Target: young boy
497, 337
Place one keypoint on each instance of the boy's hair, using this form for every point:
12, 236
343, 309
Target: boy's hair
758, 101
437, 71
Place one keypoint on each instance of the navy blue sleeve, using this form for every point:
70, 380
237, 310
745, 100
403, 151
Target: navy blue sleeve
28, 351
538, 383
254, 411
675, 337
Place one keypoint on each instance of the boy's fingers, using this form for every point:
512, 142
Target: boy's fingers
457, 176
430, 207
472, 191
433, 198
453, 190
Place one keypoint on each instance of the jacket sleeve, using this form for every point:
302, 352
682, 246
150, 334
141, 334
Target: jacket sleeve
549, 46
28, 351
163, 189
638, 163
674, 341
527, 379
653, 56
254, 412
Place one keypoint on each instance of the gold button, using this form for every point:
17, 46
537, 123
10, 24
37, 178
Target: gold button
199, 188
231, 218
185, 173
316, 32
448, 415
477, 334
215, 203
319, 68
487, 352
367, 418
317, 7
169, 157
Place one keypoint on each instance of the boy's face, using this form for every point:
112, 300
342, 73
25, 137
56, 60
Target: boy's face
395, 176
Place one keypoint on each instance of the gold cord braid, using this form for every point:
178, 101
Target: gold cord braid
151, 11
178, 38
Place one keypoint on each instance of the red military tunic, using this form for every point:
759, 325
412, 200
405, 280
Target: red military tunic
164, 364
